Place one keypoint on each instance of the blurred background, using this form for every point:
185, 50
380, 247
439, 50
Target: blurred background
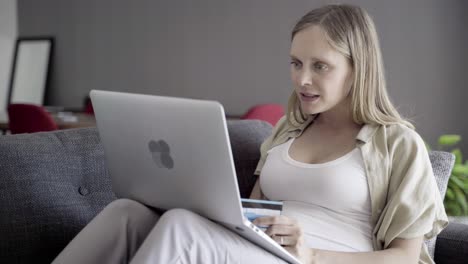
236, 52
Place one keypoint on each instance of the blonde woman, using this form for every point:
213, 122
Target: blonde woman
354, 176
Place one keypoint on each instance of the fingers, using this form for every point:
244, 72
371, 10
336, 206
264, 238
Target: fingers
285, 240
283, 230
284, 235
292, 250
274, 220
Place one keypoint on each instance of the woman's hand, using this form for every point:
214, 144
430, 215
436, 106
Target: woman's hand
288, 233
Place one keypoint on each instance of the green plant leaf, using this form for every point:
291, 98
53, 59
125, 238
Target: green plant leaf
458, 156
449, 140
461, 199
449, 194
459, 183
451, 185
453, 209
460, 170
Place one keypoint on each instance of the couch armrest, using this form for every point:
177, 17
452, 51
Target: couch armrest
452, 244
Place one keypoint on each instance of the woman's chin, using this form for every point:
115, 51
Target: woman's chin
308, 111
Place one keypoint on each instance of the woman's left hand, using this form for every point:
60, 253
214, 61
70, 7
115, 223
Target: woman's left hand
288, 233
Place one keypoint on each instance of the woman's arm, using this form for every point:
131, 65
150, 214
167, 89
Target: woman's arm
400, 251
257, 192
288, 233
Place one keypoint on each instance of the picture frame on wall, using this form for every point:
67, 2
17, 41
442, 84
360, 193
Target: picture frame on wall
30, 70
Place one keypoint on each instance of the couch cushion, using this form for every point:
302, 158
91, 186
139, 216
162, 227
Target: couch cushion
246, 136
452, 244
51, 185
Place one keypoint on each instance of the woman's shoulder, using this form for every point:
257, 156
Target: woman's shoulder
401, 136
282, 123
282, 131
282, 127
402, 130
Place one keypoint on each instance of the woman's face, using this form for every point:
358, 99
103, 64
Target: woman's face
322, 76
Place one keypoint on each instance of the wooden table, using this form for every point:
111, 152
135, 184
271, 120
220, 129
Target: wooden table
64, 121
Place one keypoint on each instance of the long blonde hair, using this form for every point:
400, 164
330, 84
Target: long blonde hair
351, 31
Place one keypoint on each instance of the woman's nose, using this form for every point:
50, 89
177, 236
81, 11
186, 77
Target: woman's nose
306, 78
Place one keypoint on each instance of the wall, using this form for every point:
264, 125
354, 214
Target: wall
236, 52
8, 32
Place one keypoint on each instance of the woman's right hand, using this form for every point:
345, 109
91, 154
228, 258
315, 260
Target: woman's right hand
288, 233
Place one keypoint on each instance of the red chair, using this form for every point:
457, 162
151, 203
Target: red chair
270, 113
27, 118
88, 108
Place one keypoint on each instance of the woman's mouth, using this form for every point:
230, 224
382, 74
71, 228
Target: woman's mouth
309, 97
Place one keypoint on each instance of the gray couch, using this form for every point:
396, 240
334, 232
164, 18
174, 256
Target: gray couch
52, 184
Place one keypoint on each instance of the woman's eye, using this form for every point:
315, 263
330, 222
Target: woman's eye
295, 64
320, 66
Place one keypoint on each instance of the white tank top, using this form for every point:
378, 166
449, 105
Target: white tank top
331, 200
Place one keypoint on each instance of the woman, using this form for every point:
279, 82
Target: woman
355, 177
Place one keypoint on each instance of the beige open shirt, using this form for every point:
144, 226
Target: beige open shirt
405, 200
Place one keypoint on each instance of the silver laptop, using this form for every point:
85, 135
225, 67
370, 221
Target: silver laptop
169, 152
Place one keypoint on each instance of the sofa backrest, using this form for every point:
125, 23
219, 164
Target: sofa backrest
442, 164
51, 185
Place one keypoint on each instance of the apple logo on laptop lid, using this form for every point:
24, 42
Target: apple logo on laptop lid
161, 154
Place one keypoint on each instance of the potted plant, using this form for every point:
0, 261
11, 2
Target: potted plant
455, 201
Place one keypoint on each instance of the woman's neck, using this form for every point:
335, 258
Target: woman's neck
338, 118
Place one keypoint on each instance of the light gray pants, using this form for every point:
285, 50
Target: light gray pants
126, 231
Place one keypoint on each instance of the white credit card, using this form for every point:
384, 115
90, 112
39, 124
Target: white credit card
259, 208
